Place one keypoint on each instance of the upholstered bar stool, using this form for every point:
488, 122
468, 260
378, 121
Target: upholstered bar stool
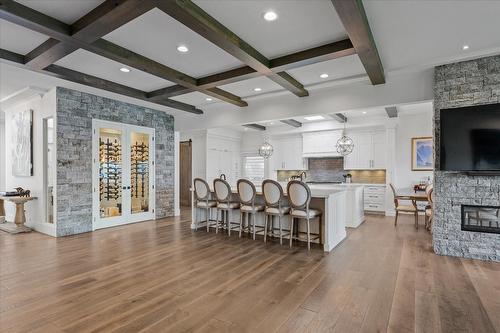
299, 196
202, 201
225, 204
273, 195
247, 193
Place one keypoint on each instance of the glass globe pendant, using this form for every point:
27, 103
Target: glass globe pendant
266, 149
345, 145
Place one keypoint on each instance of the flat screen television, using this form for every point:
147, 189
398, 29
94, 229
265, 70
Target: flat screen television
470, 139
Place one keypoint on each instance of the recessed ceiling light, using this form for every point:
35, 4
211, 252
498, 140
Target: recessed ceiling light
271, 123
257, 89
208, 99
182, 48
270, 16
323, 76
364, 112
125, 69
245, 129
314, 118
465, 47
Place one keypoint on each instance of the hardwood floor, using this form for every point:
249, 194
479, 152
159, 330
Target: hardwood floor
162, 277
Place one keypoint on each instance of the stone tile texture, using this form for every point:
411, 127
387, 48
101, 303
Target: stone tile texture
75, 111
474, 82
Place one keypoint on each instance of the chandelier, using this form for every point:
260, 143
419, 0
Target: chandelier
266, 149
345, 145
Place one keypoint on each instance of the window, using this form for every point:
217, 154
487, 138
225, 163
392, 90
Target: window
253, 168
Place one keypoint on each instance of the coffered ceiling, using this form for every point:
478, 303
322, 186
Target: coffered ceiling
232, 48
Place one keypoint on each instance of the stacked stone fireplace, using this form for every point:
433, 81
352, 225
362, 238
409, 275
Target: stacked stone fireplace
474, 82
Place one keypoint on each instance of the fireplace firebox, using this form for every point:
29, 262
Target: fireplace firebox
481, 218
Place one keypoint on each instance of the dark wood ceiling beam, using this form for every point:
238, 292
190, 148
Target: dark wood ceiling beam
255, 127
192, 16
117, 53
58, 31
321, 53
341, 118
95, 82
292, 122
353, 17
102, 20
392, 111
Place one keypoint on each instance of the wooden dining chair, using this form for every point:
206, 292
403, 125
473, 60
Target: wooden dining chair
429, 190
404, 208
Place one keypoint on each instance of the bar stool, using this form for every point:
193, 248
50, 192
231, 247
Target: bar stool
273, 195
299, 195
247, 194
202, 201
223, 196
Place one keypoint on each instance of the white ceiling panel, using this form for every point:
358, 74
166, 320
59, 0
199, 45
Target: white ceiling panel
246, 88
413, 33
67, 11
18, 39
92, 64
157, 36
195, 98
301, 24
336, 69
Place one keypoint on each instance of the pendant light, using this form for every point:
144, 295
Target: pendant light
266, 149
345, 145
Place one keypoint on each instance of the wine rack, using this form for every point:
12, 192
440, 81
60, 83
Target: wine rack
140, 169
110, 173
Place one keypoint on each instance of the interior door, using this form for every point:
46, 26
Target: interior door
122, 174
185, 166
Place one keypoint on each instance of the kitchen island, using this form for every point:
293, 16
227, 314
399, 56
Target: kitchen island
331, 201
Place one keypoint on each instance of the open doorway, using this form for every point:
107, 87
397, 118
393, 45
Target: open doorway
185, 166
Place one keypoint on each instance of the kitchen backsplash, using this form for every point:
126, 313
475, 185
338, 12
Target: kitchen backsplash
331, 169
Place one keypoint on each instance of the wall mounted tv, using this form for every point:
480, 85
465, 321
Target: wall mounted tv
470, 139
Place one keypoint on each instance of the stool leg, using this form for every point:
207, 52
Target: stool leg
209, 217
241, 222
281, 230
265, 229
291, 231
228, 223
217, 222
308, 235
195, 218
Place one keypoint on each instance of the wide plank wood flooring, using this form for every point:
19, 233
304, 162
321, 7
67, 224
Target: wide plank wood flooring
163, 277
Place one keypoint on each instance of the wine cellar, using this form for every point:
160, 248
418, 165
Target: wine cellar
124, 174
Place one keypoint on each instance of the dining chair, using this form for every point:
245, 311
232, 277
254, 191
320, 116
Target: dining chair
299, 196
274, 197
225, 204
203, 201
399, 208
429, 190
248, 207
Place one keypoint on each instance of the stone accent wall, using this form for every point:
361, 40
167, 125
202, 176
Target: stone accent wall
75, 111
462, 84
326, 169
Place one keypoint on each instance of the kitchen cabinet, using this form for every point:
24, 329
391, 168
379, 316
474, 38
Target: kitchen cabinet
374, 198
320, 144
287, 154
369, 151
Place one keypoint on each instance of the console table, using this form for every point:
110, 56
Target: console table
18, 225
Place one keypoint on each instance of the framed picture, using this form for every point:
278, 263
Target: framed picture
421, 154
22, 148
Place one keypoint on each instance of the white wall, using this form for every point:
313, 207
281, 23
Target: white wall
2, 152
35, 211
408, 127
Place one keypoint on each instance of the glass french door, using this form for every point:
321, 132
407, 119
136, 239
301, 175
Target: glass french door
123, 174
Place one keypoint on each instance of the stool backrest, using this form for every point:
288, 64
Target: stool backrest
201, 189
299, 194
222, 190
273, 192
246, 191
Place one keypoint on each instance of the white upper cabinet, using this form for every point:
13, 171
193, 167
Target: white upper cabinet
288, 154
369, 151
320, 144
